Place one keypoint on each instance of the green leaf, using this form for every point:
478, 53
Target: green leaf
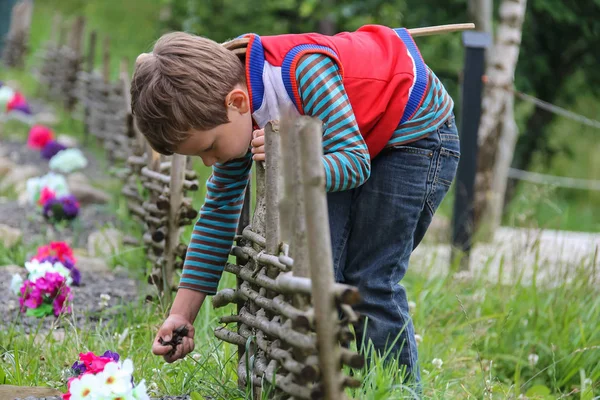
41, 311
196, 396
538, 392
2, 377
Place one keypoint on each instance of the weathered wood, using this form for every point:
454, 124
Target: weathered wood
272, 187
321, 264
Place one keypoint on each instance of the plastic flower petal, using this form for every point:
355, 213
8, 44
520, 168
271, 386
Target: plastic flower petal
93, 363
140, 392
39, 136
6, 95
68, 160
51, 149
46, 195
115, 380
15, 284
55, 182
83, 388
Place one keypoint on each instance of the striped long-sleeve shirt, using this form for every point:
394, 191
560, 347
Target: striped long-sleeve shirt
346, 162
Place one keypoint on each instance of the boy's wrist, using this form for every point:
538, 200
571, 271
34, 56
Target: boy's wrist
187, 303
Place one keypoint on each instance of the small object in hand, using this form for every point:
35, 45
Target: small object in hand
178, 335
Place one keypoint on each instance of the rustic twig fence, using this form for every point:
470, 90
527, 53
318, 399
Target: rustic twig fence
287, 327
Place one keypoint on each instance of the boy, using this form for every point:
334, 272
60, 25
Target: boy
390, 154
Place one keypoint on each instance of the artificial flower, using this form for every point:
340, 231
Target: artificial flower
83, 388
38, 269
52, 148
45, 295
116, 379
6, 95
18, 102
55, 182
68, 264
45, 195
39, 136
15, 283
93, 363
61, 250
61, 208
67, 161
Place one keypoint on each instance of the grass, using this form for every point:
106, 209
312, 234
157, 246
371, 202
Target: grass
494, 340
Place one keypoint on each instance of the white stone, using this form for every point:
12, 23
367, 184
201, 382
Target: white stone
17, 175
10, 236
105, 243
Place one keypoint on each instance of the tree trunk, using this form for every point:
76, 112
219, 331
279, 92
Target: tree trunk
480, 12
502, 62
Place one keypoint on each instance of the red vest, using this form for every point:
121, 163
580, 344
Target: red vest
382, 71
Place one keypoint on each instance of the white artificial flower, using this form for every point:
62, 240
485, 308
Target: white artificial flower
55, 182
16, 283
68, 160
6, 95
437, 362
116, 380
37, 270
140, 392
83, 388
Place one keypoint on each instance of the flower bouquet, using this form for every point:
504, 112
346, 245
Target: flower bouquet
59, 208
103, 378
53, 182
46, 290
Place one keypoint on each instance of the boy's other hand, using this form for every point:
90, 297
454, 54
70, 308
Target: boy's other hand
174, 339
258, 145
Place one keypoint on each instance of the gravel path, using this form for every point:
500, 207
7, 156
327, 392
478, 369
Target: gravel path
86, 298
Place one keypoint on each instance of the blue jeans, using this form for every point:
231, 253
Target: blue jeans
375, 228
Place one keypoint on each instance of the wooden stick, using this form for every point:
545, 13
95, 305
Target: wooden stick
320, 258
434, 30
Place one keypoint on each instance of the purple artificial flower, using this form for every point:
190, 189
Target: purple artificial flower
23, 107
70, 206
65, 207
68, 263
60, 303
112, 355
51, 148
78, 368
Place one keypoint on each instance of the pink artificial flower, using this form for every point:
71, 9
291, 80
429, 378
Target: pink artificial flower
61, 301
17, 100
93, 363
58, 249
45, 195
31, 296
39, 136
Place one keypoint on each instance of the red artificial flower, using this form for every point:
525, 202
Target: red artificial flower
61, 250
39, 136
17, 100
93, 363
45, 195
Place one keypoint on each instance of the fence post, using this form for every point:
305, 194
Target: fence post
462, 235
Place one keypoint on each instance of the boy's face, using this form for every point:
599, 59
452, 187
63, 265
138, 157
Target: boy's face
225, 142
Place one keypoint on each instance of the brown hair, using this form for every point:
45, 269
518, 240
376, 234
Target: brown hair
180, 86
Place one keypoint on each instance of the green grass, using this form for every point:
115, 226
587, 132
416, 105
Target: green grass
487, 335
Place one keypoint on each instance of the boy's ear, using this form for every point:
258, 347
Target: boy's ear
238, 99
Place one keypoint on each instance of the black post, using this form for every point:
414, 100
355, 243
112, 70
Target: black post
475, 44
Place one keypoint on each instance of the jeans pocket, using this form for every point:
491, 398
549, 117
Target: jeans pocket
447, 164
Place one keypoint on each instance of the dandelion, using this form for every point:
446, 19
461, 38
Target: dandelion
412, 307
437, 362
196, 356
104, 299
533, 359
418, 338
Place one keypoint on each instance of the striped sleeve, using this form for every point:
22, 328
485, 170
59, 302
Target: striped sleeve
215, 228
346, 157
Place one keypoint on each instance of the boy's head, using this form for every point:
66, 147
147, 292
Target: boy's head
189, 97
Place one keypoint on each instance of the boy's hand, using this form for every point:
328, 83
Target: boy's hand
258, 145
174, 339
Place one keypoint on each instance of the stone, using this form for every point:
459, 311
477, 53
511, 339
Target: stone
46, 118
77, 178
92, 264
87, 194
6, 166
17, 175
66, 140
10, 236
105, 243
14, 392
12, 269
